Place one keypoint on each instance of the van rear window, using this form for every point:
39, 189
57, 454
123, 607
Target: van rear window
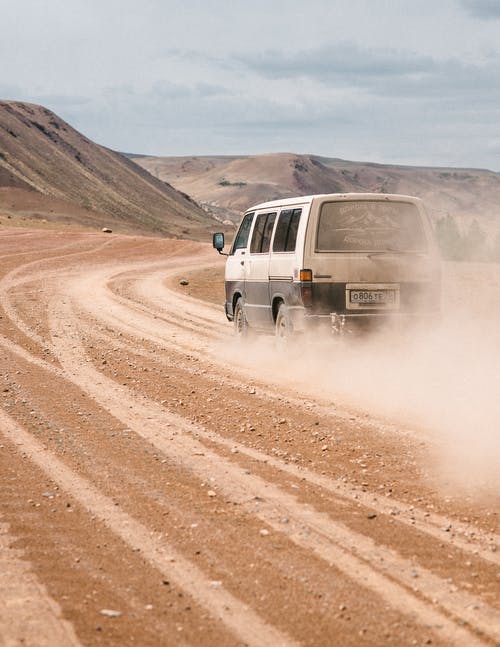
370, 226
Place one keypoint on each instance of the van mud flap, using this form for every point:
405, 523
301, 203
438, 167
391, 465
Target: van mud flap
338, 324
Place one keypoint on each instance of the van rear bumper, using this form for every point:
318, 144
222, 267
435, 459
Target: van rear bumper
352, 323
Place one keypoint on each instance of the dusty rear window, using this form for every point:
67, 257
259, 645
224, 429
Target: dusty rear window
370, 226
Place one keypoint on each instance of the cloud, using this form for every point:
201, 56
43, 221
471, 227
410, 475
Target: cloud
485, 9
343, 100
183, 119
340, 62
383, 72
183, 91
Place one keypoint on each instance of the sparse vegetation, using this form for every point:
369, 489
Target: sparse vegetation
472, 245
40, 127
495, 249
446, 175
300, 166
224, 182
48, 133
3, 156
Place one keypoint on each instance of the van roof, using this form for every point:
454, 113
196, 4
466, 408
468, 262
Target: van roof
307, 199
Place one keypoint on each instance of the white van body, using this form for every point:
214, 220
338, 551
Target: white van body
344, 260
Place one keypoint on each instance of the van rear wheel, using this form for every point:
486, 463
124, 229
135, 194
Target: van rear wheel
283, 329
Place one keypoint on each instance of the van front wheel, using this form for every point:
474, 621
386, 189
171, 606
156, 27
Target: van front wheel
283, 328
240, 321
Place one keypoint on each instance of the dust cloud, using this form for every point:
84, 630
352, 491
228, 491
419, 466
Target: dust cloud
441, 380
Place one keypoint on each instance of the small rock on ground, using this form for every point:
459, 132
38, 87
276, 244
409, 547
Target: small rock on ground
111, 613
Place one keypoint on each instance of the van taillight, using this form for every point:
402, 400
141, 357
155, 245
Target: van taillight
306, 287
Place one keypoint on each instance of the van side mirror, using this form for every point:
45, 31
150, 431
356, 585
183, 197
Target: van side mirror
218, 242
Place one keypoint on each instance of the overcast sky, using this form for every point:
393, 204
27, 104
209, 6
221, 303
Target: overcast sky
394, 81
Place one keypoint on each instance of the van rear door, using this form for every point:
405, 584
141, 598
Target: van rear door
372, 254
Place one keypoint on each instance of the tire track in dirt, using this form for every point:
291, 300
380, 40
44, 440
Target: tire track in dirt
98, 297
246, 625
430, 523
159, 296
174, 332
294, 583
427, 522
452, 531
136, 312
437, 526
324, 537
208, 325
164, 334
269, 392
28, 615
37, 243
20, 275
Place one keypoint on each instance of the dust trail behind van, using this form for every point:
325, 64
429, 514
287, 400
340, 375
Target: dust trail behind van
339, 261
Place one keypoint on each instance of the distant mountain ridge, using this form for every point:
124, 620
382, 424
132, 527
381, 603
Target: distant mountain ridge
49, 169
232, 184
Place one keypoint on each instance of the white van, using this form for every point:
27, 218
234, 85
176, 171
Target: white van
342, 260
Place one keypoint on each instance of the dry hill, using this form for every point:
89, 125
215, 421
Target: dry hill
231, 184
49, 170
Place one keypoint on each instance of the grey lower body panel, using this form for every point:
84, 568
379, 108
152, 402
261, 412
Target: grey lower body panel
258, 297
419, 302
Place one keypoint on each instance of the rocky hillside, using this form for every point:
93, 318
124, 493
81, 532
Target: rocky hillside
231, 184
49, 170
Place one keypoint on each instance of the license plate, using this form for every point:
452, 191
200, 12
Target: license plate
373, 297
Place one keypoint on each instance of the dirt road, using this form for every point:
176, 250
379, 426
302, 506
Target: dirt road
160, 486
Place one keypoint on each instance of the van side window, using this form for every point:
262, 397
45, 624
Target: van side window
263, 230
241, 239
286, 230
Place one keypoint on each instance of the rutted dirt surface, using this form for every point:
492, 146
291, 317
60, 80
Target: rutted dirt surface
154, 493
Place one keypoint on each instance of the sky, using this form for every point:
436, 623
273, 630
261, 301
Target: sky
392, 81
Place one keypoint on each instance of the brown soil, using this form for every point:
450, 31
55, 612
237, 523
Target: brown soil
152, 492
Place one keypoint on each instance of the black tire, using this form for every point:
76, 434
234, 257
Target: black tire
240, 321
283, 327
